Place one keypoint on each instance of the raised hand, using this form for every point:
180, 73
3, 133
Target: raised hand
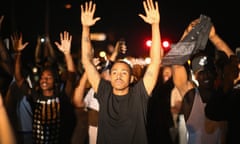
1, 20
1, 101
66, 40
152, 12
96, 62
120, 47
190, 27
87, 14
212, 32
17, 42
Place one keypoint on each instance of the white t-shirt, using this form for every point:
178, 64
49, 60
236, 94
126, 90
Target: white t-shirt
91, 101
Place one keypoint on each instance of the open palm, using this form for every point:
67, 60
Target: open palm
152, 12
87, 14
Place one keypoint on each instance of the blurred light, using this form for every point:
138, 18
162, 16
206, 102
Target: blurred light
29, 81
34, 70
98, 36
147, 60
148, 43
128, 61
7, 43
102, 54
189, 62
165, 44
68, 6
237, 52
42, 40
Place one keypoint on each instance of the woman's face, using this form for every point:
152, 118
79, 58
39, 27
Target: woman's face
47, 80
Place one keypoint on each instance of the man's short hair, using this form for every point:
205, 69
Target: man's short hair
124, 62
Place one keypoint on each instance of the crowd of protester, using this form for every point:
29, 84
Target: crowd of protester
184, 96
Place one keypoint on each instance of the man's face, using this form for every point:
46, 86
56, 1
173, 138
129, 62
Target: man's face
120, 76
205, 78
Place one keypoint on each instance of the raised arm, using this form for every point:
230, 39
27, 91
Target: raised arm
87, 20
81, 86
44, 52
18, 46
6, 132
120, 47
38, 51
180, 79
180, 74
65, 48
6, 62
156, 52
1, 20
50, 51
80, 91
219, 43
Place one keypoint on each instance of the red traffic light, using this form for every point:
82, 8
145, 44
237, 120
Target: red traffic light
148, 43
165, 44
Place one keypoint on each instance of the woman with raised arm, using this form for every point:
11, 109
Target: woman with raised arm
53, 114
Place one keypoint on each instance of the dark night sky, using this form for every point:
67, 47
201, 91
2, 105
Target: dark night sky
120, 18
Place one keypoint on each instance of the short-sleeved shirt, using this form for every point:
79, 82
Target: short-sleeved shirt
122, 119
91, 101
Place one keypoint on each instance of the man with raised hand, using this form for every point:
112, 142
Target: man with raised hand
123, 105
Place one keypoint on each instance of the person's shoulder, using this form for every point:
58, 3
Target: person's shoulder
104, 85
190, 94
103, 81
135, 83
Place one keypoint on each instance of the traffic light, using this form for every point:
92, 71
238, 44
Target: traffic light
148, 43
166, 45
